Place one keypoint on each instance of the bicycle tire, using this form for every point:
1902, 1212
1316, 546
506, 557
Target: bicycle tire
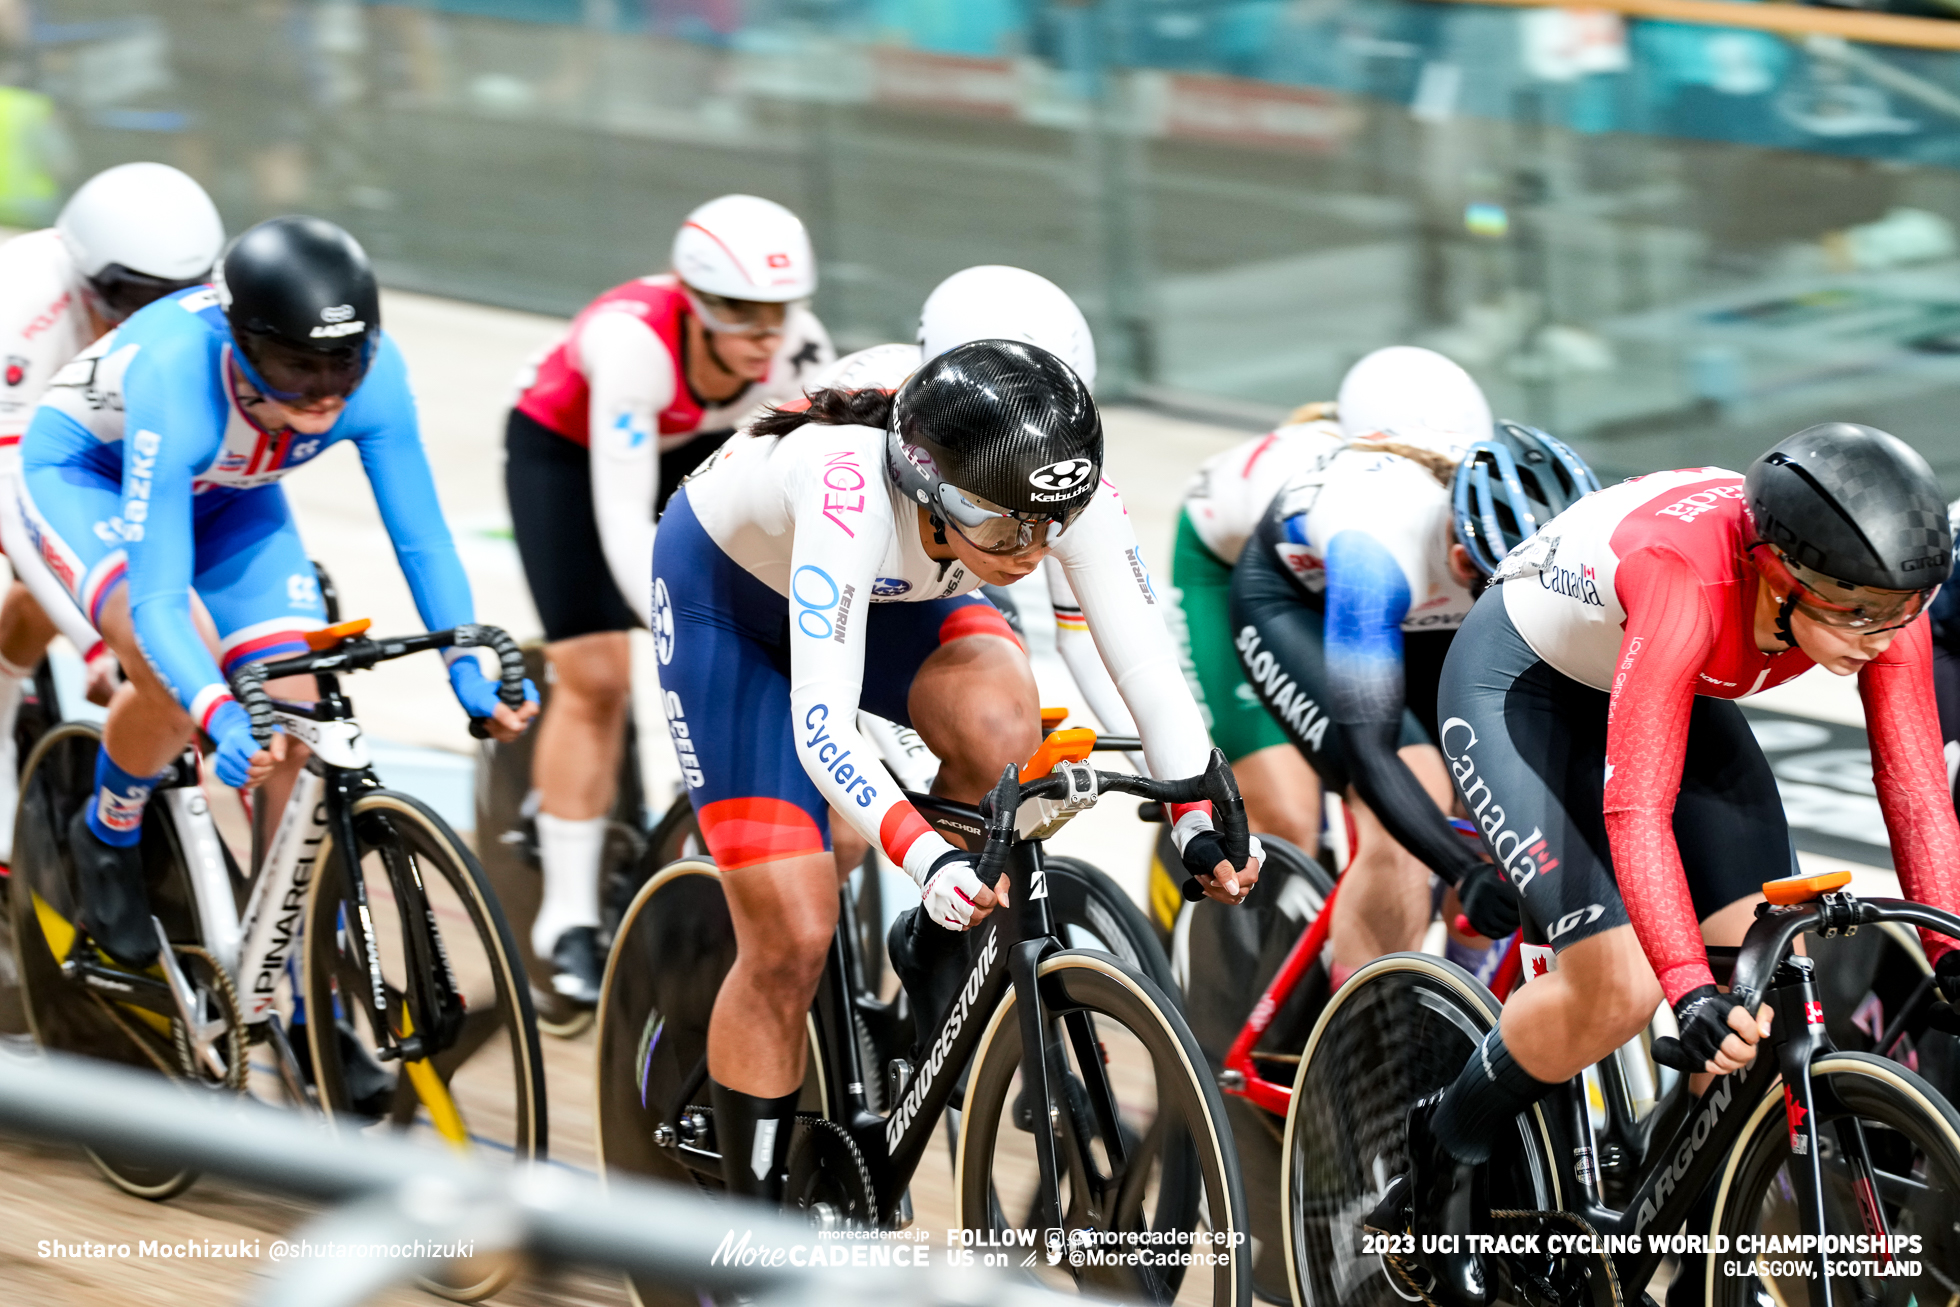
1138, 1032
1093, 911
61, 1016
674, 945
1400, 1028
1903, 1117
491, 1073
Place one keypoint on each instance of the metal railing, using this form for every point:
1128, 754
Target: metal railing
392, 1196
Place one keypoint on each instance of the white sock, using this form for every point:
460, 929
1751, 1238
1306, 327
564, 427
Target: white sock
570, 853
12, 679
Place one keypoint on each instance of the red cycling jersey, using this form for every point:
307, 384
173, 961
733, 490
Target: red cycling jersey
1643, 590
559, 397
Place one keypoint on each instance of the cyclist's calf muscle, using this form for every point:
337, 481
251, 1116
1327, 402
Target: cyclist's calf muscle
1384, 906
784, 913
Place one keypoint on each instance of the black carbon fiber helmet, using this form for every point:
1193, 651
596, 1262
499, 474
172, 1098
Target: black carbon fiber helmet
303, 305
1853, 504
995, 437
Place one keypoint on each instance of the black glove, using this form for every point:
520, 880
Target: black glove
1703, 1015
1489, 900
1945, 1012
1201, 855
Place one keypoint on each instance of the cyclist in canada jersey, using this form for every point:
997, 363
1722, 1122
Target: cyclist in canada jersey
151, 468
1589, 721
647, 380
826, 562
128, 237
1223, 505
1346, 600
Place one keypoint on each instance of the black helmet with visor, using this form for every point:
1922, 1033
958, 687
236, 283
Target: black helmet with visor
1850, 524
304, 308
996, 438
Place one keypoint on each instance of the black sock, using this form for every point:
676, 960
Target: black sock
754, 1135
1489, 1093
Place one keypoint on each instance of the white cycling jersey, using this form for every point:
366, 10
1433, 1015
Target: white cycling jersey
814, 516
1231, 491
1390, 517
886, 367
44, 322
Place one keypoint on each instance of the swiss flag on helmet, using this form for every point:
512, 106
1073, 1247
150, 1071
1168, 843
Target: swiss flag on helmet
779, 260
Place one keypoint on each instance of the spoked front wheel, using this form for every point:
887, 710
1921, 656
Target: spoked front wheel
1139, 1138
453, 998
1910, 1136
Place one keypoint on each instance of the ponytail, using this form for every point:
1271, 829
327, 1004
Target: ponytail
828, 408
1439, 465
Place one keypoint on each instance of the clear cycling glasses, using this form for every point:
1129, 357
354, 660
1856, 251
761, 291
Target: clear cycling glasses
756, 319
1831, 602
995, 530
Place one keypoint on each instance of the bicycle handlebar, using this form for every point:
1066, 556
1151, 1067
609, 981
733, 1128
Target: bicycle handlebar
358, 653
1770, 937
1216, 783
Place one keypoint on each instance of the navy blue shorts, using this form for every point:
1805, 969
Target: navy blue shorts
724, 680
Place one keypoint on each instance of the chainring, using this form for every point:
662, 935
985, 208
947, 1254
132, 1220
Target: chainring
828, 1180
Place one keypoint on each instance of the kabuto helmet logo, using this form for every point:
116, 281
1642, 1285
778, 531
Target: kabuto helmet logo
1065, 475
337, 313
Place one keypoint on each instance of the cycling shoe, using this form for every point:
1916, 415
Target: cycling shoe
927, 960
115, 907
1439, 1196
578, 966
370, 1086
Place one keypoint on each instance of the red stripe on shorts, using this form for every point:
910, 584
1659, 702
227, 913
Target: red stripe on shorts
745, 832
975, 619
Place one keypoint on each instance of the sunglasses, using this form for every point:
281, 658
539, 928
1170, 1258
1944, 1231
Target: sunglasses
755, 319
1830, 602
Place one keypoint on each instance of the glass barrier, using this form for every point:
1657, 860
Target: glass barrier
1669, 241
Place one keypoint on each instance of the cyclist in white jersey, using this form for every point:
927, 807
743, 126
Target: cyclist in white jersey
128, 236
1222, 508
826, 562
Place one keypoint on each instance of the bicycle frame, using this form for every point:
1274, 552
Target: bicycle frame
1678, 1172
1007, 951
1241, 1075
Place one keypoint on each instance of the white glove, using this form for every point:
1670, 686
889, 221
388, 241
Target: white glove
950, 889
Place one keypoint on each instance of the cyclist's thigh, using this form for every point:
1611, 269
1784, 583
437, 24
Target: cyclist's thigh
548, 479
898, 638
1281, 646
254, 576
724, 680
1240, 724
1728, 819
1526, 746
72, 510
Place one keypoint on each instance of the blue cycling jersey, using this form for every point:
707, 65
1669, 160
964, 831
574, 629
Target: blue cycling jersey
142, 460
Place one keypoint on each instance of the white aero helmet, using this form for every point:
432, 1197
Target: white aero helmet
878, 367
743, 247
993, 302
1414, 395
148, 218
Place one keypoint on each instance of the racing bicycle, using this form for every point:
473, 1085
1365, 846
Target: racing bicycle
1133, 1138
1809, 1140
384, 986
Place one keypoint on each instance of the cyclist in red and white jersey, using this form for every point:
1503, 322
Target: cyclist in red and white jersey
128, 236
827, 562
1588, 716
648, 379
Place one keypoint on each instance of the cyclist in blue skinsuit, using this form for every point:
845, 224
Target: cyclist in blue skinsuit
150, 470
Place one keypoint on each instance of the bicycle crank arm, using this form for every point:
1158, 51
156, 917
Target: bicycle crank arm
202, 1035
122, 986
